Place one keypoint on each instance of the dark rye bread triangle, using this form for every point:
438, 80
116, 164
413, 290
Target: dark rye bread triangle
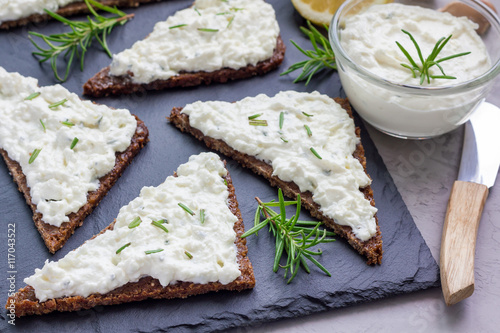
55, 237
26, 302
103, 84
371, 248
69, 10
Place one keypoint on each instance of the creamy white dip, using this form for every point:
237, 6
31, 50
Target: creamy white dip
11, 10
240, 33
60, 177
191, 251
334, 180
369, 39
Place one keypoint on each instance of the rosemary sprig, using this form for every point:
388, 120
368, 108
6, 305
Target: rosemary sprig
34, 155
78, 40
73, 143
320, 58
122, 248
293, 237
429, 61
33, 95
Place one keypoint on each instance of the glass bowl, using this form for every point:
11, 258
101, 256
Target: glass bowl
413, 111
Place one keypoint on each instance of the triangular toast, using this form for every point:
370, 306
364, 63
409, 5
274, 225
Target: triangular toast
70, 9
371, 248
210, 29
26, 302
55, 236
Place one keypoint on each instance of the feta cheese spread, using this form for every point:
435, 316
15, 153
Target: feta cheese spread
369, 40
210, 35
312, 147
75, 140
11, 10
154, 236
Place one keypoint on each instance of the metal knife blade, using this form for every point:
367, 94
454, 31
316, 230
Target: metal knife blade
481, 150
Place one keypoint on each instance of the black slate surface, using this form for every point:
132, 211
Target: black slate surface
407, 264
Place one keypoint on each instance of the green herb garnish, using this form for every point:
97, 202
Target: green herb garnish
33, 95
67, 123
258, 122
153, 251
78, 40
160, 225
34, 155
135, 223
73, 143
186, 208
230, 21
320, 58
284, 140
122, 248
208, 30
202, 215
189, 255
308, 130
56, 104
43, 125
315, 153
225, 182
197, 11
257, 115
307, 114
430, 61
282, 119
293, 237
177, 26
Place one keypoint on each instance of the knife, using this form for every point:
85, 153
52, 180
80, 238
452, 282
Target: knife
478, 170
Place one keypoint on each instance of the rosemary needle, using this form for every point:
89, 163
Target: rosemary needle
315, 153
153, 251
322, 57
43, 125
189, 255
34, 155
122, 248
186, 208
76, 42
177, 26
308, 130
135, 223
159, 224
56, 104
67, 123
202, 216
73, 143
33, 95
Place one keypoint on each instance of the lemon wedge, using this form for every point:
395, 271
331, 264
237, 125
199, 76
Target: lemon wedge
321, 12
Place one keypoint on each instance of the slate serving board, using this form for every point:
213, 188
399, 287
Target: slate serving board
407, 264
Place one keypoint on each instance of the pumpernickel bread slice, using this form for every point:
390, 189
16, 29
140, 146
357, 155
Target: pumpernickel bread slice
371, 249
69, 10
26, 302
55, 237
224, 44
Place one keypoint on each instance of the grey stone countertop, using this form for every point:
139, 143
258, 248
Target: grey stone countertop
424, 172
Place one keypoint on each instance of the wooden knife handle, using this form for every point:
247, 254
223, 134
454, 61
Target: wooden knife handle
458, 243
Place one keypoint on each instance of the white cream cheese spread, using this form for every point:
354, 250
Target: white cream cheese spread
369, 39
313, 147
154, 236
210, 35
75, 140
11, 10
